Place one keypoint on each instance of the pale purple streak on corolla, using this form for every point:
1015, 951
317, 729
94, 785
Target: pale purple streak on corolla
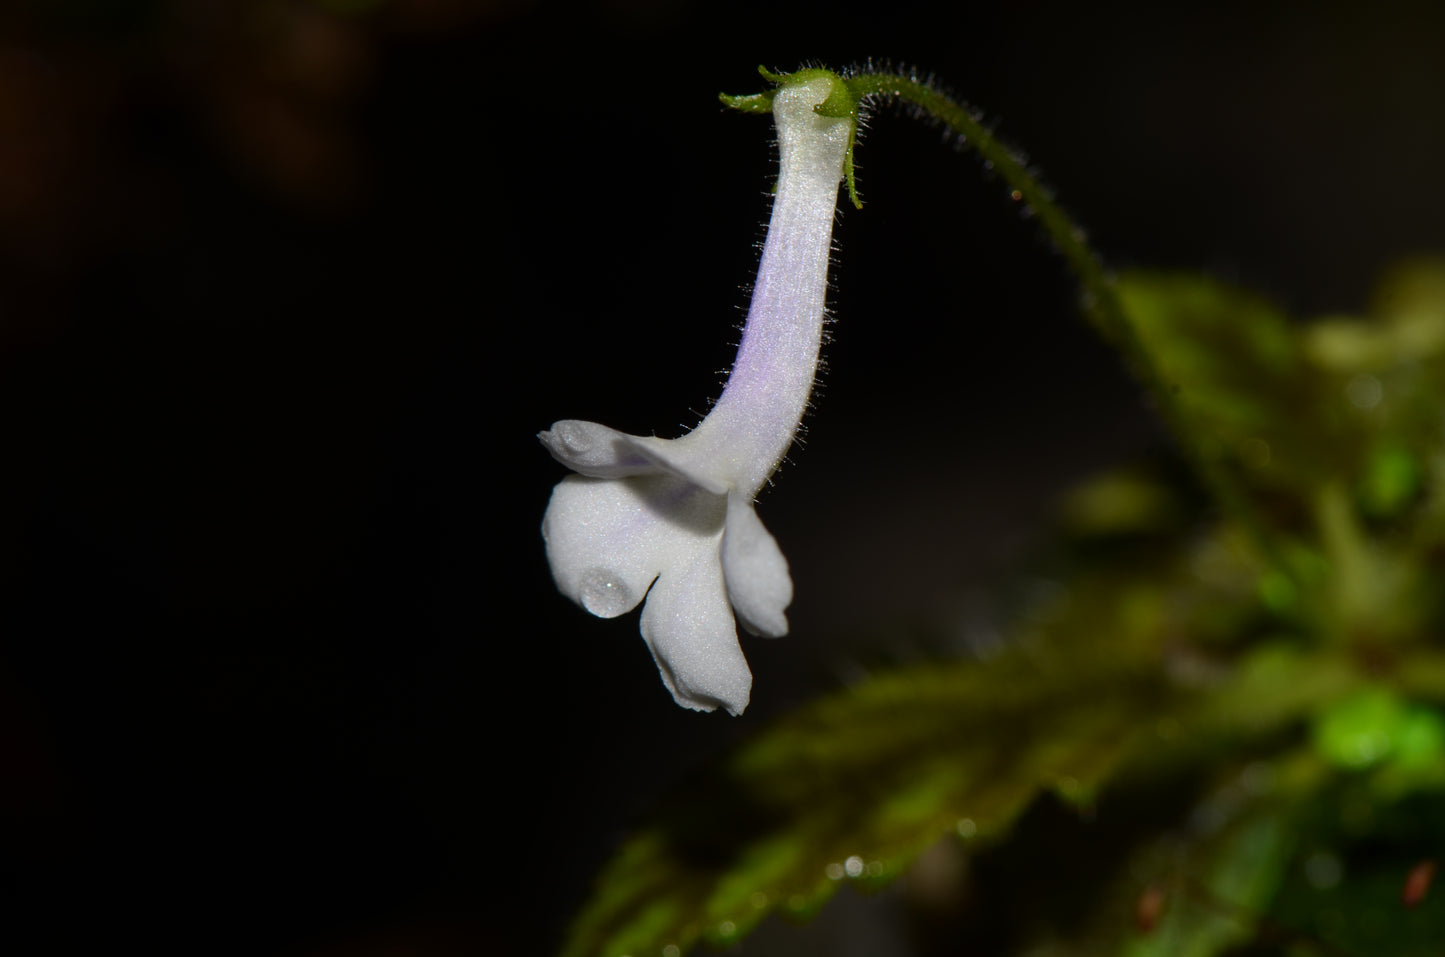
672, 520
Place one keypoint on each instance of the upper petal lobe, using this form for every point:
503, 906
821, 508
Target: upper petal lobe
758, 583
589, 448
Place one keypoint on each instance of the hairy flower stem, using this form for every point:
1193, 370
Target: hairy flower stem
1100, 299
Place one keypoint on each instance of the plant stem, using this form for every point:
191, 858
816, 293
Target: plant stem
1100, 296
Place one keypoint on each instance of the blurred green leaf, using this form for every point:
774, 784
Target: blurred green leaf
1391, 480
1120, 503
856, 786
1332, 429
1157, 660
1118, 670
1238, 376
1199, 882
1355, 884
1410, 303
1376, 728
1285, 856
1362, 730
1218, 887
1274, 683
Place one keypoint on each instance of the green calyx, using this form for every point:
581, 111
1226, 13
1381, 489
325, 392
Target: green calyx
842, 103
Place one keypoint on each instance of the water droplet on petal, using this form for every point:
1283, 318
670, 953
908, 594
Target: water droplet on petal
604, 594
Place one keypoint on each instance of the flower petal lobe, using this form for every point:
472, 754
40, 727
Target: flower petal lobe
689, 628
756, 573
596, 535
595, 450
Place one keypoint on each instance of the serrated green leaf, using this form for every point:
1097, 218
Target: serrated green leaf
1240, 379
1215, 905
1140, 661
1346, 891
855, 787
1200, 887
1203, 887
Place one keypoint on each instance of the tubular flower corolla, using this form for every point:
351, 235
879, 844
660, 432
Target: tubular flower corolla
672, 520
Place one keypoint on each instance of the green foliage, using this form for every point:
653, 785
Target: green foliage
857, 785
1377, 726
1236, 372
1209, 896
1353, 884
1286, 856
1327, 431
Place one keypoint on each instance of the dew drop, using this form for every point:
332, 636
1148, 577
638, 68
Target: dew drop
604, 594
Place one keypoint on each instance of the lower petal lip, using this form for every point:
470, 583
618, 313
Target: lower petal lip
604, 593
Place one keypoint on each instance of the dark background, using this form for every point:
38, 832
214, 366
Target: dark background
286, 289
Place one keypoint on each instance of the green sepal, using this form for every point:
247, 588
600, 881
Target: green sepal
841, 103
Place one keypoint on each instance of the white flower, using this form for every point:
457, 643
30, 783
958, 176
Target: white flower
673, 520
